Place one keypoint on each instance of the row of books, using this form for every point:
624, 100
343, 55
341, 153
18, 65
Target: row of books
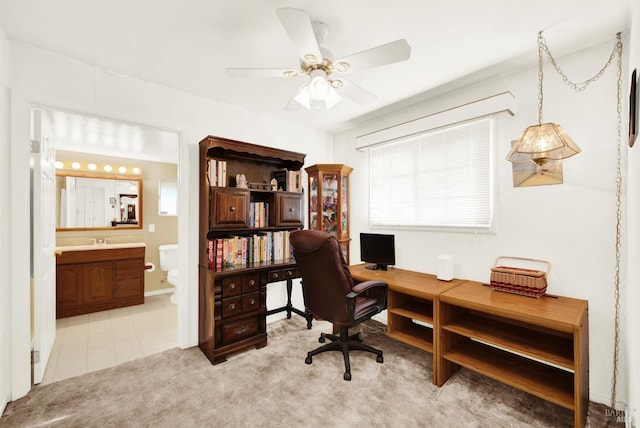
240, 251
217, 172
288, 181
259, 214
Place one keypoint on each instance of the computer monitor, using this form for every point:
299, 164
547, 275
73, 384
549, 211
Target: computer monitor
379, 249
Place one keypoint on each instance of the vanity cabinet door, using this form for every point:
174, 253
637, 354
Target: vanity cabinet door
229, 208
68, 286
97, 282
129, 278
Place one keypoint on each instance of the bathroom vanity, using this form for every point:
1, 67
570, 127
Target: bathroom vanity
92, 278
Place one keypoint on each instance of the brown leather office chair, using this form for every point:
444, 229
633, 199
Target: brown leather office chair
330, 293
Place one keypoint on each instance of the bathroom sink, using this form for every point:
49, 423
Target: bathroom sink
102, 246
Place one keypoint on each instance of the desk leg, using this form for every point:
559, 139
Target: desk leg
289, 308
289, 305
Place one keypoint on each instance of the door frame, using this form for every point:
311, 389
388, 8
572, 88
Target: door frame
20, 239
20, 244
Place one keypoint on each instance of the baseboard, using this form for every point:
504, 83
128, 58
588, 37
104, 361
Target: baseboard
156, 292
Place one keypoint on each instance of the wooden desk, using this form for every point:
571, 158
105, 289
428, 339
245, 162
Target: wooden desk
540, 346
412, 305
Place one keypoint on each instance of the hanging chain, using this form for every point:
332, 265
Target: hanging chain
542, 45
540, 76
616, 347
617, 52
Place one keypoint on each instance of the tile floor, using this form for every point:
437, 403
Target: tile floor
91, 342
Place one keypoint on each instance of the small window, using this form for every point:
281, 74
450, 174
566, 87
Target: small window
168, 199
435, 179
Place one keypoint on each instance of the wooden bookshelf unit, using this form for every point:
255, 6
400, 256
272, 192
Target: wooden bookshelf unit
540, 346
232, 296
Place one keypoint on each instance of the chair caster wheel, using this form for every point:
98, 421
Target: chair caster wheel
321, 339
307, 360
360, 337
347, 376
379, 359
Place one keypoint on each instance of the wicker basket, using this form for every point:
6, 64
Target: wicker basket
517, 280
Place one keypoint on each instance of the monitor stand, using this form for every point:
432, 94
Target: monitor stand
377, 266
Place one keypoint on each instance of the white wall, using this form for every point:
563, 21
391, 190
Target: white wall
571, 225
632, 320
52, 80
5, 268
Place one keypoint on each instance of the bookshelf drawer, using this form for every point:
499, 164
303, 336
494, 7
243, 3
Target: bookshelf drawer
229, 208
290, 273
250, 283
251, 302
231, 306
275, 275
231, 286
238, 330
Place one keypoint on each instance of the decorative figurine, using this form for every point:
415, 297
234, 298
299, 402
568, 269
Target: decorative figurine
241, 181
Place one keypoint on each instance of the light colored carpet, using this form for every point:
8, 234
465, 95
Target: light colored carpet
273, 387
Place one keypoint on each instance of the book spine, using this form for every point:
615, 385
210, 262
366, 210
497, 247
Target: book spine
211, 254
219, 253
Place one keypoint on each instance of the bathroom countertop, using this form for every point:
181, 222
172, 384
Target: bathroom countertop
92, 247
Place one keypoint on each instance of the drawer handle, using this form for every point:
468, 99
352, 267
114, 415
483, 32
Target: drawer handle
232, 306
289, 273
241, 330
291, 210
252, 282
232, 208
232, 285
275, 275
252, 302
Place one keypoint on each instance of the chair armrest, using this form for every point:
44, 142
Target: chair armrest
379, 286
366, 285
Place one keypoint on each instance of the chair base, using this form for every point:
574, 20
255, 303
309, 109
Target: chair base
344, 343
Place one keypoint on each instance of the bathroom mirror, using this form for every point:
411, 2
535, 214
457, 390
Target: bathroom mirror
86, 201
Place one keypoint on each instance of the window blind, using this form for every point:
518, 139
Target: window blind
438, 179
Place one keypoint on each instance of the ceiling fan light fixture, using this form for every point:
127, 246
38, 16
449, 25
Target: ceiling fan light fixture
311, 59
318, 85
290, 73
331, 99
336, 84
341, 67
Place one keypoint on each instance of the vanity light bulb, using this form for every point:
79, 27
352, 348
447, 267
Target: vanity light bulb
59, 164
122, 169
108, 168
92, 166
75, 165
136, 170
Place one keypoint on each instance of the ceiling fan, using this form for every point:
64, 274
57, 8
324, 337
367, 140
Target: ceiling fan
326, 84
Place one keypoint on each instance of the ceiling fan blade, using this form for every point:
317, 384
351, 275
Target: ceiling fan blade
298, 26
261, 72
356, 93
381, 55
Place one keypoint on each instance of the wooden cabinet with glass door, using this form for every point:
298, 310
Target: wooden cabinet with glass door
329, 201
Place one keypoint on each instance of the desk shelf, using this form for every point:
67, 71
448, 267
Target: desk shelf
537, 344
403, 309
541, 380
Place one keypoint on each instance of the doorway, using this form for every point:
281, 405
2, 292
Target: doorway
94, 341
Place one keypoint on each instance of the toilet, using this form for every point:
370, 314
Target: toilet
169, 264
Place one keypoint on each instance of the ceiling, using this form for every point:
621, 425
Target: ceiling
187, 44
